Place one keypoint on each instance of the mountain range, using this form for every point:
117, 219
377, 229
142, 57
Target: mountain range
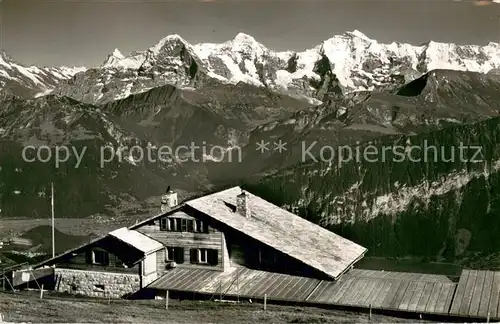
348, 90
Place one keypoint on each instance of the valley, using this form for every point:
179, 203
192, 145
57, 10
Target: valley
175, 94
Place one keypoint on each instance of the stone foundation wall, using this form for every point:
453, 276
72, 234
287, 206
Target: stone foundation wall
90, 283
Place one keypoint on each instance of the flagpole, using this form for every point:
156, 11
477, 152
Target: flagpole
52, 203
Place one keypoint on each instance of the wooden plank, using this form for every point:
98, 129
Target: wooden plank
497, 298
259, 286
383, 293
449, 298
343, 297
486, 295
330, 290
364, 299
399, 295
316, 294
459, 295
361, 293
412, 306
425, 297
405, 300
339, 293
469, 289
323, 295
302, 290
443, 295
349, 296
290, 289
384, 274
495, 290
282, 285
431, 305
268, 286
477, 293
391, 294
379, 284
248, 279
302, 293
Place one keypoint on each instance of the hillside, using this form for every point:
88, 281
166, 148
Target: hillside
68, 309
100, 171
41, 237
225, 99
436, 207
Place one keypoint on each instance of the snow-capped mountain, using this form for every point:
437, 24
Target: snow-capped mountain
351, 62
17, 79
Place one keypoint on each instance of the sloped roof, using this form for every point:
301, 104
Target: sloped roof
133, 238
283, 231
138, 240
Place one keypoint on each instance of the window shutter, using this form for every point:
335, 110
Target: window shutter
194, 256
88, 256
179, 257
212, 257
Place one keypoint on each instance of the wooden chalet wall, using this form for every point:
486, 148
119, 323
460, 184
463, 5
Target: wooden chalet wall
210, 239
248, 252
121, 257
233, 248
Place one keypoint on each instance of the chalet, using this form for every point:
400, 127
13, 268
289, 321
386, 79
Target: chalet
232, 244
206, 242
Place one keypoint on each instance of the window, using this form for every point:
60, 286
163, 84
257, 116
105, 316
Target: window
164, 224
172, 224
200, 227
190, 226
175, 254
100, 257
182, 225
204, 256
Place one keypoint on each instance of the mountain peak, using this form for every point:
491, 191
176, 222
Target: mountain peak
242, 37
170, 39
116, 53
5, 57
358, 34
115, 56
246, 43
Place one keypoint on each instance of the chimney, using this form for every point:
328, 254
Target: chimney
168, 200
242, 207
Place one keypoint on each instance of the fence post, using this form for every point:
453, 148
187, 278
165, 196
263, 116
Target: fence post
220, 288
488, 318
370, 311
265, 301
238, 285
41, 292
166, 299
3, 279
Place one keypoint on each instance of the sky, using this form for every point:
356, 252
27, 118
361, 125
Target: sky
83, 33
